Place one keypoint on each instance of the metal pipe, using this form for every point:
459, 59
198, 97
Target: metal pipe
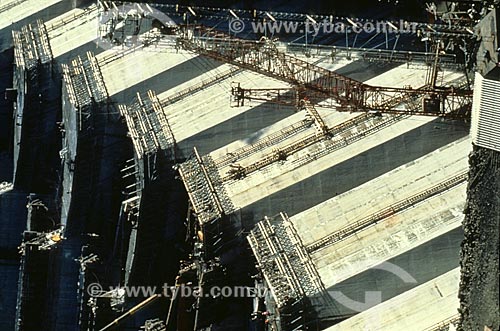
132, 311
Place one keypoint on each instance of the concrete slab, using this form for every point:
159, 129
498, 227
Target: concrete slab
381, 192
15, 10
417, 309
391, 237
72, 30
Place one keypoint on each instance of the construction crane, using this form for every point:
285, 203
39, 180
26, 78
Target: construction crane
429, 99
350, 95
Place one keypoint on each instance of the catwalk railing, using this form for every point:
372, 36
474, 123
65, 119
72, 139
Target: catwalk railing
132, 174
335, 137
399, 102
397, 207
270, 140
11, 5
85, 15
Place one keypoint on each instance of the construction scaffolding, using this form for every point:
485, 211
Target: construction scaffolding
32, 46
287, 266
264, 57
84, 86
397, 207
204, 187
31, 285
285, 96
148, 126
84, 81
133, 176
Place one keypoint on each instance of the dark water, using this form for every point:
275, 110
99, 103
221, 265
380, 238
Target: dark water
359, 8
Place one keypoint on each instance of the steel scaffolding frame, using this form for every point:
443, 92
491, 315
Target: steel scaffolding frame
335, 137
133, 170
397, 207
204, 187
286, 265
32, 46
454, 106
85, 86
268, 141
148, 126
44, 241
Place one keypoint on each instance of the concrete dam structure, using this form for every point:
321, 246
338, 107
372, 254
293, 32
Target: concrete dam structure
166, 166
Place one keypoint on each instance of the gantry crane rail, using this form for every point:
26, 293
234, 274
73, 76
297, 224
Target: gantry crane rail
397, 207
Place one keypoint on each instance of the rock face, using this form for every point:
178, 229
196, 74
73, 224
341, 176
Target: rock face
479, 285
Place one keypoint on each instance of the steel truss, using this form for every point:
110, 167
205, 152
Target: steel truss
351, 95
335, 137
44, 241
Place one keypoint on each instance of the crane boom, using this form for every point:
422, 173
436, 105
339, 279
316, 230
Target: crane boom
350, 95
